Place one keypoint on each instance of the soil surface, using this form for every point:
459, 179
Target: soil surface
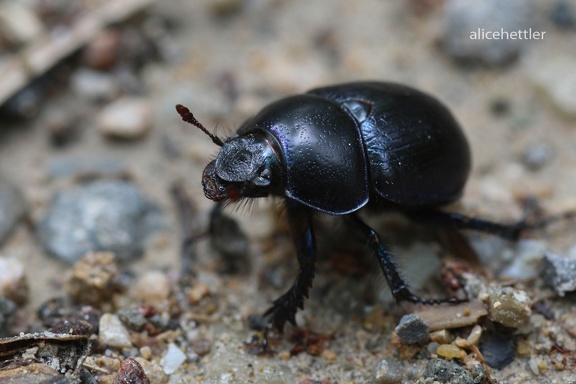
225, 60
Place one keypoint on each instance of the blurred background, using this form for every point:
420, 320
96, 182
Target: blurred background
91, 145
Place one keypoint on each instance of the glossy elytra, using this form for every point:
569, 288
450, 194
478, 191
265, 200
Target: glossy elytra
339, 149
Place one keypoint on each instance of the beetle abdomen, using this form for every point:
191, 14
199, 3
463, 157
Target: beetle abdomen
417, 153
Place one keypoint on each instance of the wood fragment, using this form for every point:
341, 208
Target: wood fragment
453, 316
46, 52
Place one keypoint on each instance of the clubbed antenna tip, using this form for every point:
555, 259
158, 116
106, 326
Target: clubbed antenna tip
188, 117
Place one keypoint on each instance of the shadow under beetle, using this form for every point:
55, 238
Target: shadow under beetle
338, 149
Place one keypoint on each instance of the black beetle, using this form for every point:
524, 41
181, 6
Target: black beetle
338, 149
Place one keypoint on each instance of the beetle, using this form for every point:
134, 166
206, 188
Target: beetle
337, 150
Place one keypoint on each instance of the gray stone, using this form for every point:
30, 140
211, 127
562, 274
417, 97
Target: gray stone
447, 372
464, 17
535, 157
105, 215
412, 329
12, 208
72, 166
498, 349
559, 273
388, 372
7, 309
94, 85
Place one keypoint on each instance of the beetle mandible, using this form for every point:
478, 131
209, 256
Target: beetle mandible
341, 148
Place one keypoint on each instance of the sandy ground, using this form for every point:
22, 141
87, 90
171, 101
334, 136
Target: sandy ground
270, 49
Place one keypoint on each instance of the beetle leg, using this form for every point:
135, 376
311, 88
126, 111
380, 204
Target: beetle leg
286, 306
398, 286
506, 231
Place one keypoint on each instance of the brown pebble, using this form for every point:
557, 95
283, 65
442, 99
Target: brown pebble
131, 372
329, 355
92, 280
198, 292
201, 347
103, 51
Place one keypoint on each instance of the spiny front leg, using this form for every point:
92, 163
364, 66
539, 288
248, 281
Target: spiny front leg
286, 306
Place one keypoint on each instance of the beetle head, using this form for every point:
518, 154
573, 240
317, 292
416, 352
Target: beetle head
244, 167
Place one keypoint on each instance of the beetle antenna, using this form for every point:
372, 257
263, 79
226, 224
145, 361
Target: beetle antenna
188, 117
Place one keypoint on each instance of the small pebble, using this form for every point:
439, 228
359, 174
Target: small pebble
523, 347
412, 329
198, 292
443, 371
329, 355
104, 215
509, 307
131, 372
12, 208
127, 118
450, 351
13, 283
526, 259
388, 372
442, 336
7, 309
201, 346
113, 333
474, 335
153, 288
92, 280
146, 352
103, 51
533, 364
498, 349
559, 273
94, 85
460, 342
536, 156
62, 126
172, 359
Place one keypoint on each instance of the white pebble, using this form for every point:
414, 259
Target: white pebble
113, 333
172, 359
127, 118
